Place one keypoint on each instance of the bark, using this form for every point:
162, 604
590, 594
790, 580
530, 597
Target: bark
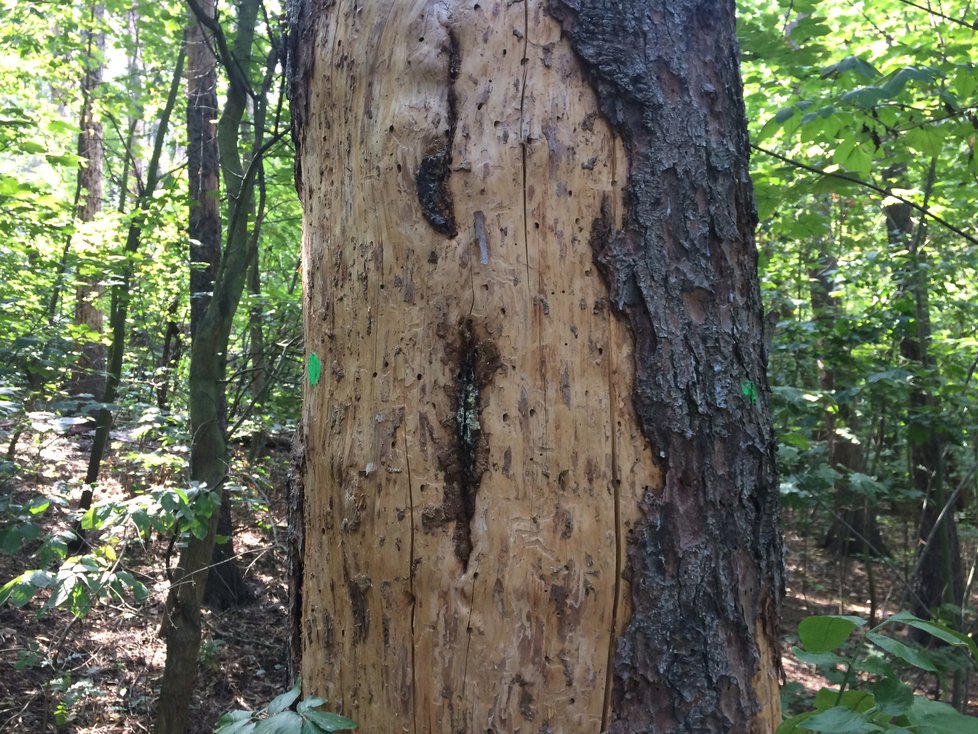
203, 169
295, 544
170, 356
259, 368
539, 479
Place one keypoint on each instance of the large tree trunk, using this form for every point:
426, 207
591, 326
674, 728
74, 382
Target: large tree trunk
539, 479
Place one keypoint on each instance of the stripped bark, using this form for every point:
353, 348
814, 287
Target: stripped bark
539, 486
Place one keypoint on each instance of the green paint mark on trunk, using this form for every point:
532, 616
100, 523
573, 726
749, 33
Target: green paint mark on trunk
315, 369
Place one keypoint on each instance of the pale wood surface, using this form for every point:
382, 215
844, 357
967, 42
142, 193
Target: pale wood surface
398, 632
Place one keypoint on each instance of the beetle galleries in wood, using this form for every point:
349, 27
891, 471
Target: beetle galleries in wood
536, 499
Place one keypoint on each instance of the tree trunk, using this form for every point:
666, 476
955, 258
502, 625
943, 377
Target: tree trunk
88, 375
539, 486
203, 168
208, 360
854, 529
258, 362
120, 292
226, 587
937, 577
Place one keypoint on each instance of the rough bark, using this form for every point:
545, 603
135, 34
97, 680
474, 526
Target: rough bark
683, 270
539, 485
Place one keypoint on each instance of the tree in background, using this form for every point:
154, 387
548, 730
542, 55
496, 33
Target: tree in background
250, 87
873, 109
225, 585
88, 377
539, 475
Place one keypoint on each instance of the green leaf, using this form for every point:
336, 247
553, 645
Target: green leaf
825, 633
315, 369
934, 717
853, 699
286, 722
902, 651
327, 721
798, 440
31, 146
927, 140
822, 659
20, 590
795, 724
309, 703
840, 720
865, 97
897, 375
284, 700
853, 64
938, 630
892, 697
784, 114
923, 74
38, 504
236, 722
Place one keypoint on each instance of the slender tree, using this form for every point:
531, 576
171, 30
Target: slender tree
539, 487
854, 529
88, 376
203, 167
938, 578
225, 585
241, 175
120, 293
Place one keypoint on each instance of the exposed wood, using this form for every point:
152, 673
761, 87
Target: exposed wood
478, 484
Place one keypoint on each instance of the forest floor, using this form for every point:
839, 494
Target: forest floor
100, 674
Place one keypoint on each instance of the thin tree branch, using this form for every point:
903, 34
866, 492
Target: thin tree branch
931, 11
871, 186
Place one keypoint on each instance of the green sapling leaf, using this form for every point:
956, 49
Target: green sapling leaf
825, 633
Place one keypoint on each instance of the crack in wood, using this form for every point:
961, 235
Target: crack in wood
466, 459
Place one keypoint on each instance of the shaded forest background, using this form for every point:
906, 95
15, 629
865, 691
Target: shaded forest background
150, 291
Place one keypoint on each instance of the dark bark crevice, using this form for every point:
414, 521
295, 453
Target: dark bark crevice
435, 169
295, 543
